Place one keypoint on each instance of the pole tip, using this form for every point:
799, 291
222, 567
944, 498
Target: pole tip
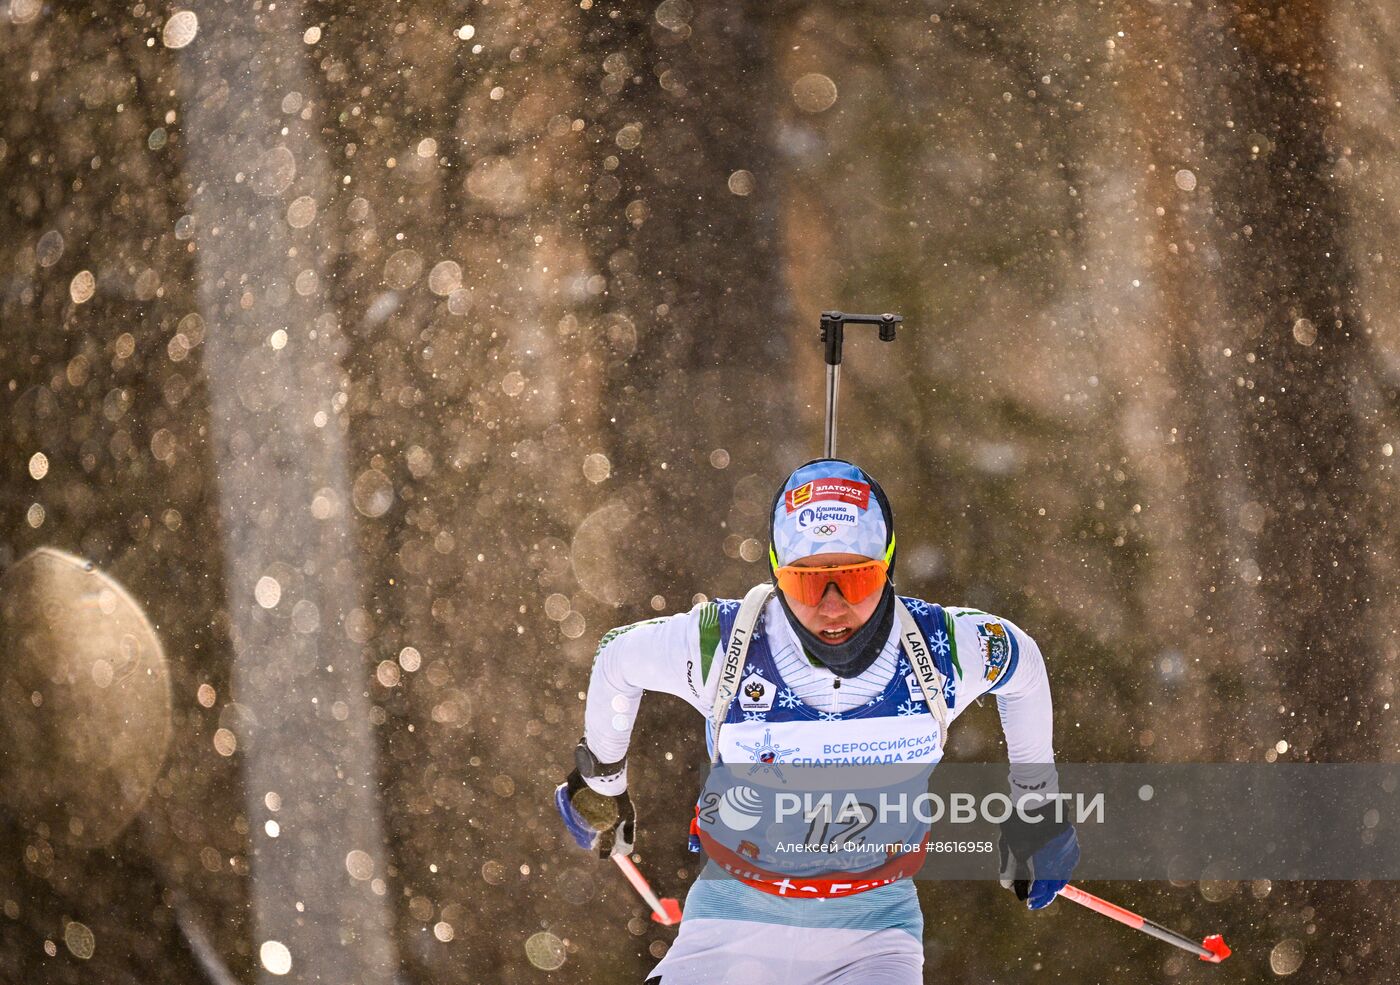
672, 913
1217, 947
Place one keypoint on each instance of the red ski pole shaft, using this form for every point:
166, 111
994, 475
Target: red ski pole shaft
663, 911
1212, 949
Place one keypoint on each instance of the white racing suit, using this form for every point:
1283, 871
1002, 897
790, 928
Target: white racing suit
789, 709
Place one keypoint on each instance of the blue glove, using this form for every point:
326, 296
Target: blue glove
616, 839
1037, 859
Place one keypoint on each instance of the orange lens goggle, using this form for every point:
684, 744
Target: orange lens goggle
854, 581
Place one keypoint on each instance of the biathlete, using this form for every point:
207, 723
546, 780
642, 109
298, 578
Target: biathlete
826, 657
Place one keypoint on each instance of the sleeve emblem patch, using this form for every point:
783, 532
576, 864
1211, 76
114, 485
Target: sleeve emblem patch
995, 644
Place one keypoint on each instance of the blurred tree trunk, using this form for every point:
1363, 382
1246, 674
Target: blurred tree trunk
280, 455
1261, 289
1282, 237
692, 307
1261, 273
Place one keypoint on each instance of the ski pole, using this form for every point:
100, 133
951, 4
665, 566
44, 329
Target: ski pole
666, 912
833, 334
1212, 949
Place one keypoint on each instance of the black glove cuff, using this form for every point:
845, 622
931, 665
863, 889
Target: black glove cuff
1026, 838
591, 767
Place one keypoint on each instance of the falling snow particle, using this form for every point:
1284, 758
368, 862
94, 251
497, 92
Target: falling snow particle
466, 32
674, 15
301, 212
410, 659
312, 35
326, 503
79, 940
719, 458
306, 618
268, 592
1304, 332
35, 516
275, 957
445, 277
741, 183
556, 607
359, 865
225, 742
274, 172
38, 465
24, 11
596, 467
82, 287
387, 673
180, 30
513, 384
1286, 957
443, 931
206, 696
545, 951
419, 460
373, 493
1186, 180
573, 625
49, 249
403, 269
814, 93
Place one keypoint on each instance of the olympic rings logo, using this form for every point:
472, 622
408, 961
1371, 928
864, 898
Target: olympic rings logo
825, 530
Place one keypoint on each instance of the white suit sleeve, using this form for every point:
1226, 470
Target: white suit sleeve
999, 657
1027, 720
656, 655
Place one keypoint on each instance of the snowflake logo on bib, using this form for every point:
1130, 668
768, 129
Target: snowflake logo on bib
917, 606
939, 642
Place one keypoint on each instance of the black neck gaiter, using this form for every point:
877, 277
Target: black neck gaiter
854, 656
